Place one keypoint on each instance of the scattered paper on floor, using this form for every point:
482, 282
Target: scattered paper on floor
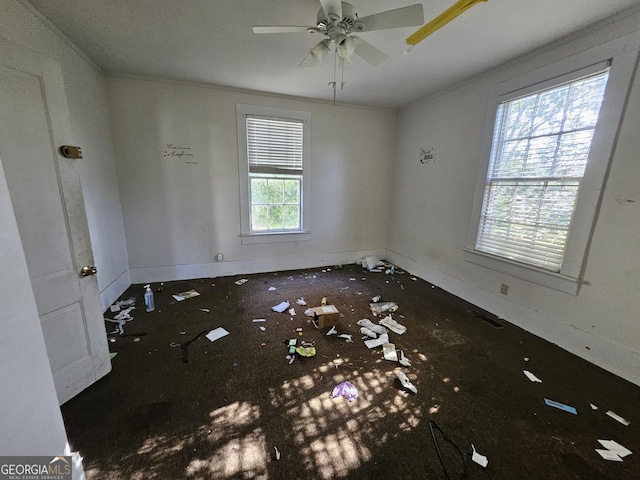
184, 295
617, 417
531, 376
281, 307
615, 447
479, 459
216, 333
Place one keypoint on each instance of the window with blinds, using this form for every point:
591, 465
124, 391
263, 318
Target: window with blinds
275, 154
539, 153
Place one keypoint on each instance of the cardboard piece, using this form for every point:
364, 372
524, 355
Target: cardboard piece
326, 316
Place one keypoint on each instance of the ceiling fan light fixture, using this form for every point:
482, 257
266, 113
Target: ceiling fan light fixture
346, 47
320, 51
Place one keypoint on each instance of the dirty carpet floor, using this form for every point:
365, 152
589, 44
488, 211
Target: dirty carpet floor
220, 415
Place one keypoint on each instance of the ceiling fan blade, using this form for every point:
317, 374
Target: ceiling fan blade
308, 61
410, 16
369, 53
332, 9
280, 29
441, 20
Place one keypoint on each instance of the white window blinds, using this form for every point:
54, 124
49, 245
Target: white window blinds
274, 145
540, 148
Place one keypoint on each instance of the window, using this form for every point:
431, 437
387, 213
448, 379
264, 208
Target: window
274, 151
539, 152
549, 140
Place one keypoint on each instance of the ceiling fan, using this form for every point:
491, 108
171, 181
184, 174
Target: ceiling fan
338, 21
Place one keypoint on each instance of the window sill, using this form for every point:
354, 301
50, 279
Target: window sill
556, 281
280, 237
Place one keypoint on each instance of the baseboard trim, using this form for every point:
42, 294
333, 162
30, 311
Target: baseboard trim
112, 292
600, 351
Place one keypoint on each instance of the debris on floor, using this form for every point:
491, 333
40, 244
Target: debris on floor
376, 342
119, 327
371, 327
370, 262
306, 351
346, 390
185, 295
332, 331
479, 459
380, 308
346, 337
277, 452
326, 316
392, 325
406, 383
531, 376
561, 406
389, 352
242, 281
404, 361
301, 302
617, 417
216, 333
281, 307
613, 450
593, 407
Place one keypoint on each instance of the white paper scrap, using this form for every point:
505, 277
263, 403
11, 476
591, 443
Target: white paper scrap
615, 447
217, 333
281, 307
609, 455
271, 289
204, 310
255, 320
241, 281
301, 302
389, 352
332, 331
292, 312
277, 452
479, 459
593, 407
615, 416
531, 376
115, 308
376, 342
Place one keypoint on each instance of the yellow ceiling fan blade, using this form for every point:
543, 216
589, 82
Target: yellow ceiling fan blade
441, 20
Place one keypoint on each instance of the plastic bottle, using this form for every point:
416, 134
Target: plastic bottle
148, 298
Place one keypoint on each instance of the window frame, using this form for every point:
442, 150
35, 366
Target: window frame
246, 235
621, 56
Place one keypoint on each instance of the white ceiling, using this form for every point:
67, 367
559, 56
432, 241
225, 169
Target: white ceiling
211, 41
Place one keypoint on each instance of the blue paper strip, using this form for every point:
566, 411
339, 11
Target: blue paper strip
561, 406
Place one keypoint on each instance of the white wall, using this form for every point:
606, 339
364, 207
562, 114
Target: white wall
432, 205
86, 97
179, 215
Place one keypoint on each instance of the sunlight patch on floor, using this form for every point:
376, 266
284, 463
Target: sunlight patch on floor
244, 458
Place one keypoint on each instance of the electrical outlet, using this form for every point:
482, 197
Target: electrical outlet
504, 289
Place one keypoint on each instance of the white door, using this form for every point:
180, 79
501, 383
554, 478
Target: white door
47, 200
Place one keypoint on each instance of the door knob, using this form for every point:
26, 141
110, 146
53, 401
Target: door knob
88, 271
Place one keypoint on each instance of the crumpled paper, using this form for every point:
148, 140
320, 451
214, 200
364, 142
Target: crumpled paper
346, 390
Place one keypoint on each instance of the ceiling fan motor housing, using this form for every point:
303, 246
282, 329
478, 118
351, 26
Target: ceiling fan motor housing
333, 26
